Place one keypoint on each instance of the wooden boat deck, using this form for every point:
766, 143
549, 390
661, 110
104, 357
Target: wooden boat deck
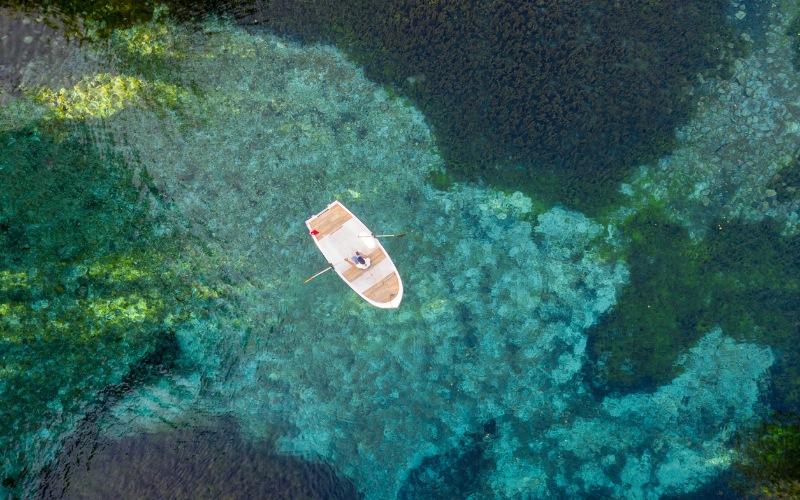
384, 290
330, 221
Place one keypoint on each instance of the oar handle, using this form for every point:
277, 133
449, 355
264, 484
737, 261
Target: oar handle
381, 235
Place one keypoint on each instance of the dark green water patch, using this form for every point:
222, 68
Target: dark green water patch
87, 289
742, 277
575, 92
786, 182
64, 200
768, 464
205, 463
457, 473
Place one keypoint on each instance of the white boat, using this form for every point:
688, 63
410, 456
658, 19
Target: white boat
339, 235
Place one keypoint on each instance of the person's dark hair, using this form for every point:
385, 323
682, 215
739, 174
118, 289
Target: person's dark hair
361, 260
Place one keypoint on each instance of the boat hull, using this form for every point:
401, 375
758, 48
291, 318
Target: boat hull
339, 234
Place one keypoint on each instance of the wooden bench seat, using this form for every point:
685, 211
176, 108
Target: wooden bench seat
353, 273
384, 290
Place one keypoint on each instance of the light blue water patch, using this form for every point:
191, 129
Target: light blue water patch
475, 340
671, 441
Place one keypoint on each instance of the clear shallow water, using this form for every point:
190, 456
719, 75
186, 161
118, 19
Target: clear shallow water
154, 191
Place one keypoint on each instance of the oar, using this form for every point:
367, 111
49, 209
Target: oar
381, 235
321, 272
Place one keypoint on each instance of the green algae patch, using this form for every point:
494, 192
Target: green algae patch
149, 40
87, 289
64, 198
96, 96
741, 277
103, 94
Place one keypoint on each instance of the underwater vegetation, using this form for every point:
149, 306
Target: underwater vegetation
794, 32
741, 277
565, 97
636, 344
769, 463
86, 288
109, 15
103, 94
142, 68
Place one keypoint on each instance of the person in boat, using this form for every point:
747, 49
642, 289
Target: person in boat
358, 260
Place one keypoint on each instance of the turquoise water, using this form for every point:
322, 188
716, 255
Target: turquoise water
158, 339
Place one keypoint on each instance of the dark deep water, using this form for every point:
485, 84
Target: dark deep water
212, 462
601, 258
